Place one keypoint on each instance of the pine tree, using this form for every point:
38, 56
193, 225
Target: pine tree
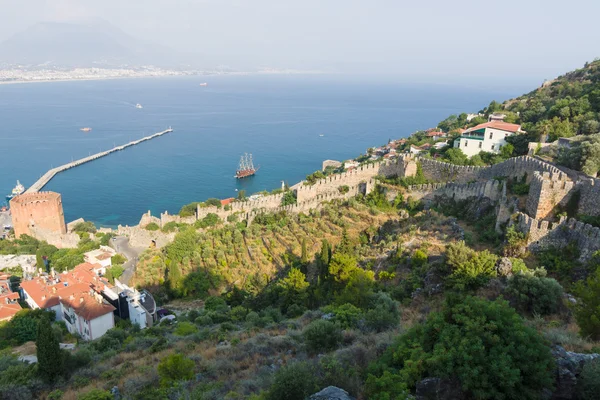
345, 247
49, 355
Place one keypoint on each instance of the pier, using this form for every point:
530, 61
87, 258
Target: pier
47, 177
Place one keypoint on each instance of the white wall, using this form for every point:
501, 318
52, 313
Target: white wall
99, 326
137, 315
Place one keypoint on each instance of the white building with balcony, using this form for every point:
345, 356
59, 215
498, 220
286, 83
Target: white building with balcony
489, 137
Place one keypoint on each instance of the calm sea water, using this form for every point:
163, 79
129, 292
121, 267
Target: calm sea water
279, 119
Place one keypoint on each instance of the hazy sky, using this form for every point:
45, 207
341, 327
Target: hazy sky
510, 39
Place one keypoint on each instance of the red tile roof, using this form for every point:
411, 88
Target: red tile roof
87, 307
7, 311
434, 134
500, 125
228, 201
47, 291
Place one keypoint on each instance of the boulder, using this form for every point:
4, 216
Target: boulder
504, 267
438, 389
331, 393
568, 368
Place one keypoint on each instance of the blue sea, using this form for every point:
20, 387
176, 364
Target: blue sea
290, 123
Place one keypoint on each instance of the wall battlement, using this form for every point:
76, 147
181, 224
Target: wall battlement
546, 191
542, 234
458, 191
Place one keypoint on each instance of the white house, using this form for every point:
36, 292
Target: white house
101, 257
87, 315
489, 137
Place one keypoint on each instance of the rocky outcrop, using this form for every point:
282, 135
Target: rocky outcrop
331, 393
568, 368
438, 389
504, 267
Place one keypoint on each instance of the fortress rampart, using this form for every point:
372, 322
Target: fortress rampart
542, 235
589, 197
546, 191
491, 189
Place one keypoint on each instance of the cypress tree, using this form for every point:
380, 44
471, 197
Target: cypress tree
49, 355
304, 257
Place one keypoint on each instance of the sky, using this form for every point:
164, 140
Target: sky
439, 40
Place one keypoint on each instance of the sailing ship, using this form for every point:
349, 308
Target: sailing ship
17, 190
246, 167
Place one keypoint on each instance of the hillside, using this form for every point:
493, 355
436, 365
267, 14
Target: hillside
437, 281
91, 43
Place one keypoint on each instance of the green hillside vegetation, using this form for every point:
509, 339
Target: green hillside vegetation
373, 294
368, 295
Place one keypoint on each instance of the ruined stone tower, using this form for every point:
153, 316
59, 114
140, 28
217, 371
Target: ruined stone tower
38, 212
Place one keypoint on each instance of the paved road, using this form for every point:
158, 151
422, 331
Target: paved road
121, 245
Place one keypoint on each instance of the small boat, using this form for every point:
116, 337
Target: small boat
138, 105
17, 190
86, 129
204, 84
321, 135
246, 167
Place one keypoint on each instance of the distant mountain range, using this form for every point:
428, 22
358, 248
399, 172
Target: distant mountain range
92, 43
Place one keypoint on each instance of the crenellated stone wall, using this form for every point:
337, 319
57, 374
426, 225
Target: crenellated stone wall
491, 189
546, 191
589, 197
439, 171
542, 235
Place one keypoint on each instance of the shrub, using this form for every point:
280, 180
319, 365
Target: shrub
419, 259
322, 335
152, 226
185, 328
587, 311
96, 394
346, 316
56, 394
204, 320
484, 345
215, 303
535, 295
470, 269
588, 383
174, 368
383, 313
293, 382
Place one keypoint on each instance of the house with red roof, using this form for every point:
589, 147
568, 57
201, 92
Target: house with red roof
490, 137
9, 300
76, 298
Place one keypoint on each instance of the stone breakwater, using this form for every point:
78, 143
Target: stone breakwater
549, 187
47, 177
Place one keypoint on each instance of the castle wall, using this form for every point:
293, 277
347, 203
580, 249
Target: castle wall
428, 192
543, 235
546, 191
42, 210
589, 200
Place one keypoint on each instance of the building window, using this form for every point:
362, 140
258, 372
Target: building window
466, 143
491, 134
480, 144
492, 147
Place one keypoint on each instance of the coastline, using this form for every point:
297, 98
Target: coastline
191, 74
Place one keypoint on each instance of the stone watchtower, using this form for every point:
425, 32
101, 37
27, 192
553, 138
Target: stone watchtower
33, 211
